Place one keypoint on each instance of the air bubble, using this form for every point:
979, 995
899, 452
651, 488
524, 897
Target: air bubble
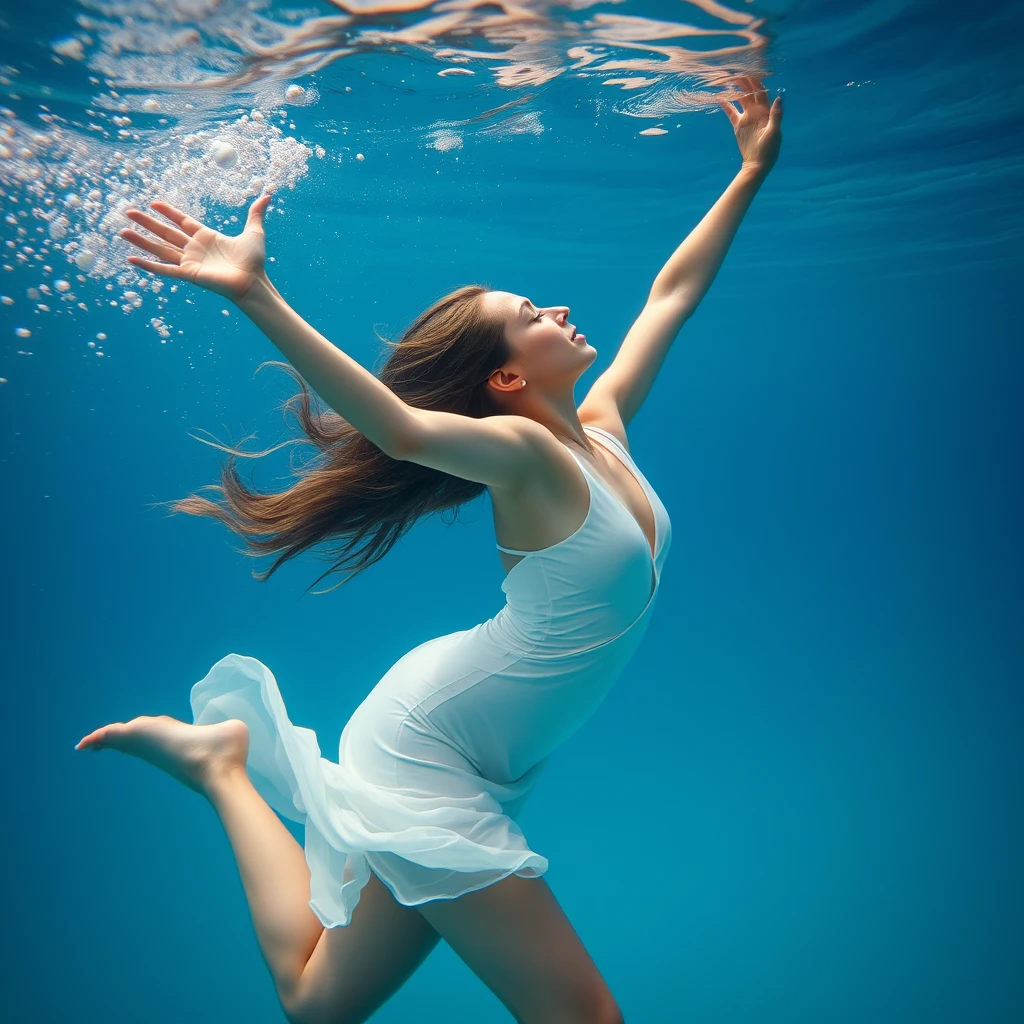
224, 155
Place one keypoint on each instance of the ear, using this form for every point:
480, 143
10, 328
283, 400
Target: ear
505, 380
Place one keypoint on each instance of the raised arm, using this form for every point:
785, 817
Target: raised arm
496, 450
684, 280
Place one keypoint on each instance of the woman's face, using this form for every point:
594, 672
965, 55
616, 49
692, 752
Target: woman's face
544, 351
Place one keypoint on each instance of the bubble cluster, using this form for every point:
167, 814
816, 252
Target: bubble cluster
444, 140
68, 174
189, 102
77, 188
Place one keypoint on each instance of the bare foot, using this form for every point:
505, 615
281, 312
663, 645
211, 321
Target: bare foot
192, 754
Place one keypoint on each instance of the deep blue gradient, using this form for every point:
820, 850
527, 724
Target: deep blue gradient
802, 801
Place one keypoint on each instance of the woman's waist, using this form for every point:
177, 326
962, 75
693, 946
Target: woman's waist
572, 618
559, 634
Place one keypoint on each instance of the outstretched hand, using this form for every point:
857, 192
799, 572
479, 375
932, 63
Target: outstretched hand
225, 264
758, 127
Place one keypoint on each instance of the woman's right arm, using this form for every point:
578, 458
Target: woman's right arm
495, 450
346, 386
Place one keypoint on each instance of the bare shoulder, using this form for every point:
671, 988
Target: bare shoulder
546, 502
500, 451
606, 416
551, 458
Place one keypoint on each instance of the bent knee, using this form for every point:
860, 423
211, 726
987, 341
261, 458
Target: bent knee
295, 1009
598, 1008
300, 1009
607, 1012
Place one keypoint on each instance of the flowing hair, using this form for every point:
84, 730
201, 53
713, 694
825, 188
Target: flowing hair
349, 490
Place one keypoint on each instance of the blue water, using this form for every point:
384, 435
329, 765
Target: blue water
802, 801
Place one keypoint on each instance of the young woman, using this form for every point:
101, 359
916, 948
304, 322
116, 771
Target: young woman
411, 836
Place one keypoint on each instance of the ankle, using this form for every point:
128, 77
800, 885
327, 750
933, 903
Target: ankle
221, 778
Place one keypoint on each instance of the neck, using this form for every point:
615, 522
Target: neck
558, 413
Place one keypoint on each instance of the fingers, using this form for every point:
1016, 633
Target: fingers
754, 93
158, 228
730, 112
256, 211
166, 252
187, 224
756, 90
754, 99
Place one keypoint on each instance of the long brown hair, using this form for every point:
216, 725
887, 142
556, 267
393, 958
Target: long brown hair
349, 488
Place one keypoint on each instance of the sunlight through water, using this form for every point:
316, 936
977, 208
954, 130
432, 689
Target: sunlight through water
193, 100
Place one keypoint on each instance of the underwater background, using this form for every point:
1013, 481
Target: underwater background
802, 800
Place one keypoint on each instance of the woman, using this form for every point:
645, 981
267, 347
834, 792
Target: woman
411, 836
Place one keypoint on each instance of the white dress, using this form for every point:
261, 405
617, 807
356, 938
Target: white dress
436, 762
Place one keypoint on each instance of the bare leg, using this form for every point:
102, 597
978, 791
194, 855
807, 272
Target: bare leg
337, 974
274, 875
518, 941
211, 760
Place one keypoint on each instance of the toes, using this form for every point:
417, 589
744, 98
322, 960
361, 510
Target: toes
98, 737
93, 739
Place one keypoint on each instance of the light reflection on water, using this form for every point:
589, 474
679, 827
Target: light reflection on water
195, 102
206, 104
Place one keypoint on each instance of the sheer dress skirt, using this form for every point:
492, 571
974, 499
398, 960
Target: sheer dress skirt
433, 766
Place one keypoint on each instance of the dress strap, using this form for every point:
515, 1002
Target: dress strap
611, 437
514, 551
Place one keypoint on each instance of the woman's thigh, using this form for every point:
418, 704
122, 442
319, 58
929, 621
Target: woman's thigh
355, 969
518, 941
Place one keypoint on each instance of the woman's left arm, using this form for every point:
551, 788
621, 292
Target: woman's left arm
686, 277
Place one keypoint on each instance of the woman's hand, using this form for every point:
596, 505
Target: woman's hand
227, 265
758, 127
